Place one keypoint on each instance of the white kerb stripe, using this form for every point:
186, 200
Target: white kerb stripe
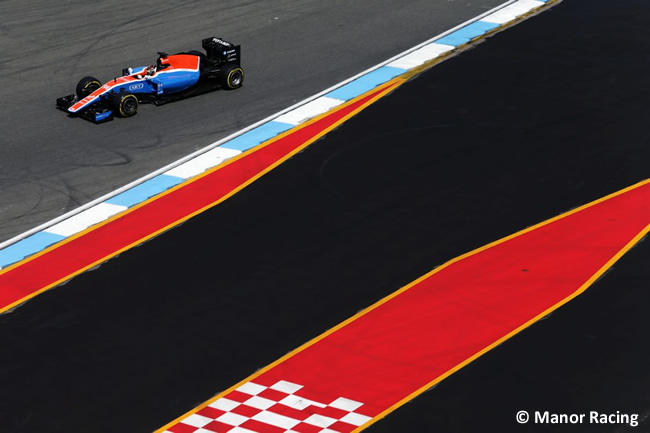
512, 11
309, 110
419, 57
531, 4
499, 18
85, 219
521, 7
275, 419
203, 162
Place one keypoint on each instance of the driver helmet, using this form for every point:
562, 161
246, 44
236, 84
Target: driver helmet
150, 70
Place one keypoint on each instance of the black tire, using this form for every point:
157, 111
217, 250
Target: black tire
86, 86
125, 104
231, 77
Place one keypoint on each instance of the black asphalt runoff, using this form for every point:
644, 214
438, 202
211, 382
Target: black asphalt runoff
537, 120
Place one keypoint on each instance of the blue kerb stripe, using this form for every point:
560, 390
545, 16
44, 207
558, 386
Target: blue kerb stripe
257, 136
452, 39
477, 28
28, 246
140, 193
365, 83
462, 36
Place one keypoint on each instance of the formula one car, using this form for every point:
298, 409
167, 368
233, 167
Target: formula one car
172, 77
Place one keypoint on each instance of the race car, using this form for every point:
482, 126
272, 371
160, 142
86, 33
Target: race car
172, 77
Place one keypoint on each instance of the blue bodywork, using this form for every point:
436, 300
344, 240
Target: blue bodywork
179, 73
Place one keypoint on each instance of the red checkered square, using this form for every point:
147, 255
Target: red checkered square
291, 412
210, 412
272, 394
218, 427
330, 412
261, 427
238, 396
246, 411
342, 427
306, 428
182, 428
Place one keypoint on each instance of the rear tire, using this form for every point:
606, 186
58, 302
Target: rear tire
125, 104
86, 86
231, 77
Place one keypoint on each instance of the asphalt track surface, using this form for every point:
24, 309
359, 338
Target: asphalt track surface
50, 164
451, 161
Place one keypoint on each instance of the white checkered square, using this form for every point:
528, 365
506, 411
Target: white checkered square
251, 388
232, 419
276, 419
300, 403
320, 420
286, 387
224, 404
355, 419
197, 420
339, 416
346, 404
259, 402
241, 430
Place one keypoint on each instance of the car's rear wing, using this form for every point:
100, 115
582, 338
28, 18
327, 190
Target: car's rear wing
221, 51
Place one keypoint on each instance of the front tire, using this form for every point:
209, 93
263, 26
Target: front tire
86, 86
125, 104
231, 76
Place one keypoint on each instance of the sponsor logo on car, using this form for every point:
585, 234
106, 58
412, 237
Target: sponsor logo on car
221, 42
138, 86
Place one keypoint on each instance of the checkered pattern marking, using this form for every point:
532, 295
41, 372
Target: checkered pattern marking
278, 408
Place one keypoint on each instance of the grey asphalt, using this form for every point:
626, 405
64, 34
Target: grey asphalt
50, 164
437, 168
